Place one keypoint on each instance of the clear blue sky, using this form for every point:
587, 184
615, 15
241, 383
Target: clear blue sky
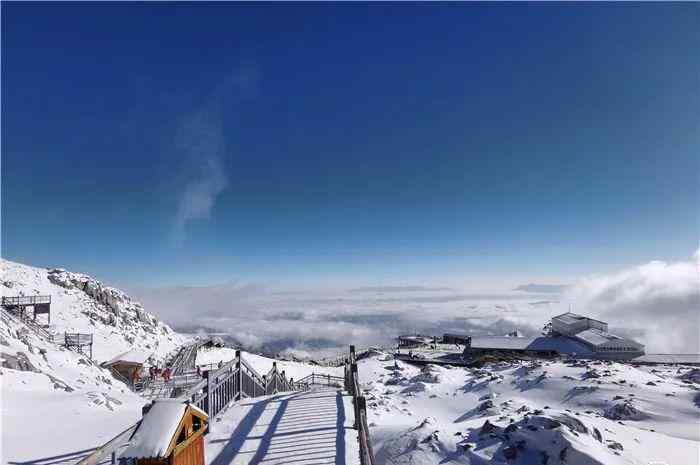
175, 143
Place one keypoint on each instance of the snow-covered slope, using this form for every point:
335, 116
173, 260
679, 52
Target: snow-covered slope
55, 401
83, 304
292, 369
532, 413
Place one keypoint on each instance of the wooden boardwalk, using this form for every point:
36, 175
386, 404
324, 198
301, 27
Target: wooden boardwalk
300, 428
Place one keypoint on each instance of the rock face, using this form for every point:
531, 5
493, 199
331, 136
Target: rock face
113, 299
692, 376
18, 362
114, 307
82, 304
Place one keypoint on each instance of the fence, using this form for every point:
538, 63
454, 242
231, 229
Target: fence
352, 385
26, 300
37, 329
236, 380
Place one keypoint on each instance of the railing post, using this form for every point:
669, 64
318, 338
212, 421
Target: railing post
360, 406
239, 366
209, 403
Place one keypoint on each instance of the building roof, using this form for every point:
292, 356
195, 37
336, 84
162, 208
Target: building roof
156, 431
563, 345
596, 337
571, 318
133, 356
690, 359
416, 338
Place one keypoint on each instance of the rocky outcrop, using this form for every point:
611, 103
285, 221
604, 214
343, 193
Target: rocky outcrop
119, 306
623, 411
19, 362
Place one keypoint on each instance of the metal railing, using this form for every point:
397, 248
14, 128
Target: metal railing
110, 448
352, 385
37, 329
26, 300
237, 380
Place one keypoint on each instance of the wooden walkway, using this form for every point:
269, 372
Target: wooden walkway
299, 428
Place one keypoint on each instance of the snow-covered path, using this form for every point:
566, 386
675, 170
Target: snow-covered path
313, 427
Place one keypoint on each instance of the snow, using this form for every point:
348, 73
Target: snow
59, 402
118, 324
135, 356
156, 431
435, 415
263, 365
313, 427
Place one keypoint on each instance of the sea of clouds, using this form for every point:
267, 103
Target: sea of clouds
656, 303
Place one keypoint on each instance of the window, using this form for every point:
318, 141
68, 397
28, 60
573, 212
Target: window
182, 437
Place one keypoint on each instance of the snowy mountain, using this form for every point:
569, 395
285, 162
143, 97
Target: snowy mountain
56, 401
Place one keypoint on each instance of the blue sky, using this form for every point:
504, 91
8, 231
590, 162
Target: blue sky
348, 143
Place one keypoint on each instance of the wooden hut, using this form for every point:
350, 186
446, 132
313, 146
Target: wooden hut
129, 364
170, 433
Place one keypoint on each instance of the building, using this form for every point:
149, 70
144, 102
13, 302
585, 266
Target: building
170, 433
128, 365
607, 345
568, 324
460, 339
541, 346
415, 341
595, 336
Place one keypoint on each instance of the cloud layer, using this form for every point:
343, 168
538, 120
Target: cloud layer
656, 303
658, 300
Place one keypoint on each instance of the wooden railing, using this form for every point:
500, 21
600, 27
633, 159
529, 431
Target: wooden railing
352, 385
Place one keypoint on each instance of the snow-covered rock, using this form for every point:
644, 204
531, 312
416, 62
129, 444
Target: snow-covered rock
531, 413
82, 304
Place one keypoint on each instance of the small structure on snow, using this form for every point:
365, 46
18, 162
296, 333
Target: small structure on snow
410, 341
128, 365
170, 433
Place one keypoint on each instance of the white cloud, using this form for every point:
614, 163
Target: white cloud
202, 139
656, 303
659, 300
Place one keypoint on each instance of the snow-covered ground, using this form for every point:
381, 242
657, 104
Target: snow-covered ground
532, 413
262, 365
314, 427
57, 402
82, 304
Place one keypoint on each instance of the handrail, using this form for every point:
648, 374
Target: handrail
219, 389
352, 385
110, 447
26, 300
29, 323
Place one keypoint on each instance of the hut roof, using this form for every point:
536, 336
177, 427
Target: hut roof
133, 356
154, 434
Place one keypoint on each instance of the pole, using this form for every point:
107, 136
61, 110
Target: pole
240, 374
